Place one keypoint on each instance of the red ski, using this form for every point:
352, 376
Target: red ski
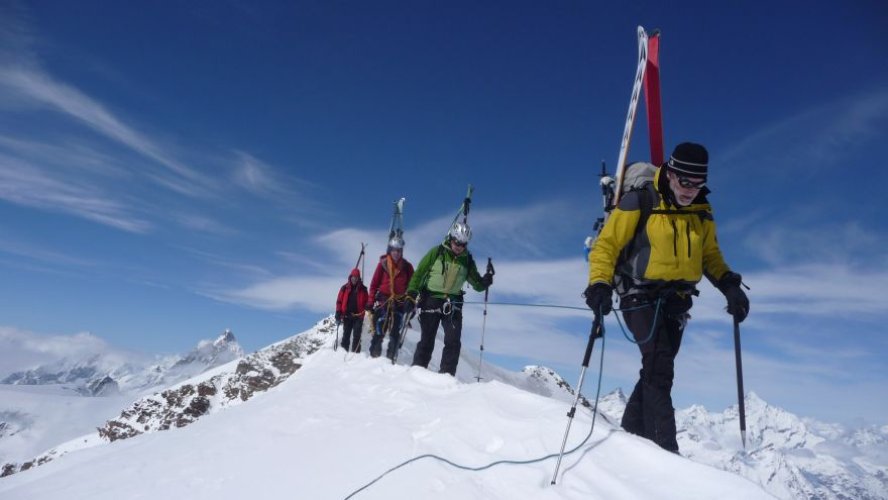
652, 98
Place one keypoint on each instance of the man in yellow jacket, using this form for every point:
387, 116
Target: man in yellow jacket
656, 246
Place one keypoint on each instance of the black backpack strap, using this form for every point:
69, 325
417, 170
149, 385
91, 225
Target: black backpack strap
646, 196
646, 206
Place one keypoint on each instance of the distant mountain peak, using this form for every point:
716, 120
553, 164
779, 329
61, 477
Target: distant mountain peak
99, 374
227, 337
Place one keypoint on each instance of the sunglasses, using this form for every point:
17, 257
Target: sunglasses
687, 183
458, 243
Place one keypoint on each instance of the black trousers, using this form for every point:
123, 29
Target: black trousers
388, 321
649, 411
352, 327
428, 323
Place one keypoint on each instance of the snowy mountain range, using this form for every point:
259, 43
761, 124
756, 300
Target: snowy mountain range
376, 415
58, 401
103, 374
791, 457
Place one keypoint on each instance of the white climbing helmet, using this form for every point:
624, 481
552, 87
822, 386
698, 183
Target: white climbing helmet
396, 243
460, 232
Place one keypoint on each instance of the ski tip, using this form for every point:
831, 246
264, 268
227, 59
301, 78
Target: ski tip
654, 32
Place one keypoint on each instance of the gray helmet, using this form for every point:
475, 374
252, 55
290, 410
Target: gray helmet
396, 243
460, 232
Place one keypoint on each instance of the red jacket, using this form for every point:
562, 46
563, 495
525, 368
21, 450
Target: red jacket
346, 290
388, 273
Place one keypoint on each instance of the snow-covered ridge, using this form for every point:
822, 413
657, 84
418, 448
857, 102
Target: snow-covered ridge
789, 456
342, 420
239, 380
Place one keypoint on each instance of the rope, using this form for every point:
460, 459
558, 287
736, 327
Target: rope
619, 322
553, 306
653, 325
498, 462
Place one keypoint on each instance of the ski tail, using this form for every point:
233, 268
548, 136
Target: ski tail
653, 108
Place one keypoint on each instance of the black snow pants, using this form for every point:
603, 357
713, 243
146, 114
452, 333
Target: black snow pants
352, 327
649, 411
438, 311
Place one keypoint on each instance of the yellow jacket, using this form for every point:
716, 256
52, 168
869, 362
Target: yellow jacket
677, 245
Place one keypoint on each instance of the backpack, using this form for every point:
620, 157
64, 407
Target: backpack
639, 177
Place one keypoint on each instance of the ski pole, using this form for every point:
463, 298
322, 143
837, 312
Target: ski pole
597, 332
336, 344
491, 272
405, 323
740, 397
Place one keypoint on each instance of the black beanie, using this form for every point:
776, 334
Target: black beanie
689, 159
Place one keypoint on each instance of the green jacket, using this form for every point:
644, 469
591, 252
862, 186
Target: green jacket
443, 274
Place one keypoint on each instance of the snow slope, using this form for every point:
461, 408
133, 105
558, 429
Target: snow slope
341, 420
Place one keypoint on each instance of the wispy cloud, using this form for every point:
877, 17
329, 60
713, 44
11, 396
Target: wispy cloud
41, 88
204, 224
256, 176
74, 157
782, 244
249, 271
10, 245
822, 290
815, 139
343, 246
86, 159
28, 185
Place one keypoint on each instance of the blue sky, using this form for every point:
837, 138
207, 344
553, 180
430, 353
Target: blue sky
168, 171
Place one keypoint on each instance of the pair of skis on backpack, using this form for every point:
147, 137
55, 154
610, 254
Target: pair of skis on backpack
647, 81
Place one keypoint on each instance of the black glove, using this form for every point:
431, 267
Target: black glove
738, 303
369, 306
487, 280
338, 317
599, 298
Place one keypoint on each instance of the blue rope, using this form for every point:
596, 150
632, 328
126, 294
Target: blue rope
500, 462
653, 325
